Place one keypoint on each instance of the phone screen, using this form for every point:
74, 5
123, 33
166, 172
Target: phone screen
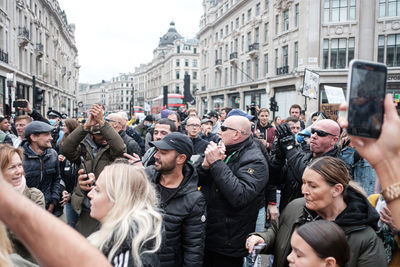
367, 86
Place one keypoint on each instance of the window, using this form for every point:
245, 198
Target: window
236, 45
216, 36
266, 32
266, 4
242, 43
256, 68
249, 14
177, 88
265, 64
226, 29
339, 10
194, 50
248, 38
226, 52
216, 80
194, 62
381, 48
226, 77
186, 62
242, 71
296, 20
286, 20
248, 70
177, 75
231, 26
285, 56
178, 49
276, 24
389, 8
296, 54
338, 52
237, 23
221, 33
276, 58
194, 75
258, 7
231, 46
257, 35
177, 62
393, 50
242, 19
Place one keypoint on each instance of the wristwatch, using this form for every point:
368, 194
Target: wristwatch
391, 192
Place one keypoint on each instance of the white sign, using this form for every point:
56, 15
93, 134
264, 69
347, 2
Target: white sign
335, 95
311, 84
146, 107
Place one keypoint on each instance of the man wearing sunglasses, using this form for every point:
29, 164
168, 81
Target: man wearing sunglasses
232, 177
289, 160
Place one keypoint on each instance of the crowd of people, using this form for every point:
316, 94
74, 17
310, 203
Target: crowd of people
180, 189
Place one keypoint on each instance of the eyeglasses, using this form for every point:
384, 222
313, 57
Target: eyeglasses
194, 125
110, 120
320, 133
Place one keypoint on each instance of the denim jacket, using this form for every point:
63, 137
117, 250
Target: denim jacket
43, 173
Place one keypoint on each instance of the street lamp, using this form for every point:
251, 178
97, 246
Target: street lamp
131, 103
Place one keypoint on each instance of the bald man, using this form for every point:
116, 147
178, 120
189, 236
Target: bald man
232, 176
193, 128
288, 164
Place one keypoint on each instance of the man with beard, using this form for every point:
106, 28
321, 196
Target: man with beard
184, 206
41, 166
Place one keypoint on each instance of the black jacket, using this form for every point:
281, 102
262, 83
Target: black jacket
234, 193
289, 173
132, 133
184, 221
131, 145
199, 146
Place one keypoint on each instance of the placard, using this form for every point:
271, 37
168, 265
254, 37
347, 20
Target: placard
311, 83
335, 95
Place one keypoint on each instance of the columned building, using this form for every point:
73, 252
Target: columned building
119, 93
36, 40
253, 50
174, 57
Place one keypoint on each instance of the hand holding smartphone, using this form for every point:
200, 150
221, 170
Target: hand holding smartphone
366, 89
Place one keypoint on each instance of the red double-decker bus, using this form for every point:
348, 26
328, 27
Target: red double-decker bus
175, 101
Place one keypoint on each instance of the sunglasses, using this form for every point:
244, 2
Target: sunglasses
320, 133
224, 128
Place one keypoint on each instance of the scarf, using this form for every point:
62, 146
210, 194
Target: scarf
20, 188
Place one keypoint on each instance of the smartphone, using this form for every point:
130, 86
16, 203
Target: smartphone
19, 104
84, 166
365, 96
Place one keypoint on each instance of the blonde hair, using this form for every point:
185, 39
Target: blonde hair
7, 153
5, 247
133, 216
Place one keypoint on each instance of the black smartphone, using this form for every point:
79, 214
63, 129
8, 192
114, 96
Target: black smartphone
365, 96
84, 166
19, 104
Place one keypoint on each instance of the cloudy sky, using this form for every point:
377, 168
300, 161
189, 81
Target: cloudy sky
116, 36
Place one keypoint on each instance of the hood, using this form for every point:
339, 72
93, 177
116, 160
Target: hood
188, 184
358, 212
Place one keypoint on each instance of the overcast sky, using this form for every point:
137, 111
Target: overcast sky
116, 36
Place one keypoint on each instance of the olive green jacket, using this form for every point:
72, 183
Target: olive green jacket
366, 248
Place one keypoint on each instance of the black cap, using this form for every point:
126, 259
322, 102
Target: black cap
149, 118
213, 114
175, 141
206, 120
36, 127
54, 114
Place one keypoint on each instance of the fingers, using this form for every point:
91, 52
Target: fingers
253, 241
86, 181
390, 109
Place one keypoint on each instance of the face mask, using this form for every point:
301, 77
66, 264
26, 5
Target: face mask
53, 122
148, 124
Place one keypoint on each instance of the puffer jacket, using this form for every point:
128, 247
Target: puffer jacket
78, 143
43, 173
184, 221
131, 145
358, 222
234, 191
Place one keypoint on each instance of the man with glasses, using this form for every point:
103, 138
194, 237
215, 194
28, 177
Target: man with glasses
193, 128
288, 160
117, 122
232, 177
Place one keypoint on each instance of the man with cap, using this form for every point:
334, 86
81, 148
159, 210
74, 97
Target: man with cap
213, 115
41, 166
184, 206
205, 133
144, 126
232, 177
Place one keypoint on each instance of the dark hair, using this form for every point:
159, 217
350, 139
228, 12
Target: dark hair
295, 106
178, 118
292, 119
71, 125
227, 109
327, 239
166, 121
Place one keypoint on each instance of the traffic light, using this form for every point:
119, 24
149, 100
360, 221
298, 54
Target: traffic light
37, 96
187, 96
273, 105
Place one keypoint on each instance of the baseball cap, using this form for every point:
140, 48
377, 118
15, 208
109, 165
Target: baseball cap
36, 127
165, 113
206, 120
239, 112
213, 114
175, 141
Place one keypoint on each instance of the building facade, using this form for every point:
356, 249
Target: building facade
36, 40
253, 50
119, 93
174, 57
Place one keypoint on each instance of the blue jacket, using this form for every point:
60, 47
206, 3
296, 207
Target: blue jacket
43, 173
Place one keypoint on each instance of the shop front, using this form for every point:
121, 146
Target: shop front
285, 97
255, 98
234, 100
217, 102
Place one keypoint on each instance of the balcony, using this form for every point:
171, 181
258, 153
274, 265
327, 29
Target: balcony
253, 49
3, 56
218, 63
39, 50
282, 70
23, 36
233, 58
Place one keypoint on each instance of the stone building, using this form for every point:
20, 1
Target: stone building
174, 57
119, 92
253, 50
36, 40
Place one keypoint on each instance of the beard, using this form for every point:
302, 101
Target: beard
165, 167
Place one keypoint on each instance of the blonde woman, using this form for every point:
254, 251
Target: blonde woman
124, 201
